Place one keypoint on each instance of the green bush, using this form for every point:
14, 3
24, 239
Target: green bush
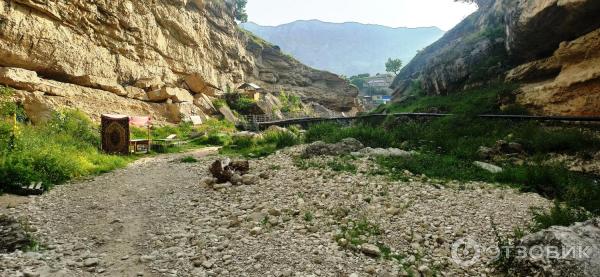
281, 139
64, 148
558, 215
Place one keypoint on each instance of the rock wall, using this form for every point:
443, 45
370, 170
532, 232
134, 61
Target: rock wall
550, 47
167, 58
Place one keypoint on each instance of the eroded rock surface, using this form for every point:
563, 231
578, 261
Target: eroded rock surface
172, 50
550, 47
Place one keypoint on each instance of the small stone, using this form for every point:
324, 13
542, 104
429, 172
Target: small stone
249, 180
146, 258
91, 262
28, 273
207, 264
255, 231
424, 269
275, 212
370, 249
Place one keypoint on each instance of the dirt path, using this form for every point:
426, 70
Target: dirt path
155, 218
108, 221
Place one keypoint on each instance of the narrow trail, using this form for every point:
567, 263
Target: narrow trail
110, 218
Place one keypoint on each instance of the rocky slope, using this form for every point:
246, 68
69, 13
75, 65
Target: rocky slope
164, 58
346, 48
550, 47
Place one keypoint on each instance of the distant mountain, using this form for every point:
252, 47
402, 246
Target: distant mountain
346, 48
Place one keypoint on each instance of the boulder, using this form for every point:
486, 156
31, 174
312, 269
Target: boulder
319, 148
381, 152
19, 78
136, 93
488, 167
100, 83
197, 84
178, 112
228, 114
561, 251
204, 102
177, 95
149, 84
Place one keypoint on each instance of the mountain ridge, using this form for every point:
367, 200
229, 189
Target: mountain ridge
348, 48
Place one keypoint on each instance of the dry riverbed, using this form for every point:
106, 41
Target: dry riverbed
156, 218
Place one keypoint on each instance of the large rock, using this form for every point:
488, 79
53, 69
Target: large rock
551, 248
344, 147
530, 36
177, 95
100, 83
567, 83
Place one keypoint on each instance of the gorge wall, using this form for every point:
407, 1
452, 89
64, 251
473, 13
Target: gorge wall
550, 47
165, 58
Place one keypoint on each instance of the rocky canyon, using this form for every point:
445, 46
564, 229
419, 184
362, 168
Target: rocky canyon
167, 59
550, 49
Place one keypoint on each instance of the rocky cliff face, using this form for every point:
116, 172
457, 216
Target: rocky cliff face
166, 58
550, 47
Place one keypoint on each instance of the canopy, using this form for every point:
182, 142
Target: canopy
139, 121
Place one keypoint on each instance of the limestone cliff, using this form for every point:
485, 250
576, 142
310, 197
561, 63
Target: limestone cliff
550, 47
167, 58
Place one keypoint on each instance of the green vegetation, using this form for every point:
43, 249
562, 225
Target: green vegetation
359, 80
308, 216
393, 66
559, 215
483, 100
290, 103
357, 232
449, 146
64, 148
189, 160
240, 103
342, 164
240, 10
256, 147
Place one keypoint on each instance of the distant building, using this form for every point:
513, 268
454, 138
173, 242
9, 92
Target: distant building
381, 99
251, 90
380, 81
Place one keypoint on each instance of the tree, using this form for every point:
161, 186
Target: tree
477, 2
240, 10
393, 65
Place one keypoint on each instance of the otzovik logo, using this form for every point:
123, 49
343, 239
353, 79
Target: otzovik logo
466, 252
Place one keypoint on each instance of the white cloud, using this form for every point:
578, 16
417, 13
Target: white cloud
444, 14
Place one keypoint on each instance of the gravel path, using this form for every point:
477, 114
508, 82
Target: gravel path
155, 218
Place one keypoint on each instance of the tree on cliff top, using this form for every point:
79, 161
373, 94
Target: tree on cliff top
393, 65
240, 10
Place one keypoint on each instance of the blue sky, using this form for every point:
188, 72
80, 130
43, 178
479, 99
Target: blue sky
393, 13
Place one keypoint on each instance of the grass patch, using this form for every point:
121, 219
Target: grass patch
357, 232
558, 215
480, 100
342, 164
256, 147
189, 160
